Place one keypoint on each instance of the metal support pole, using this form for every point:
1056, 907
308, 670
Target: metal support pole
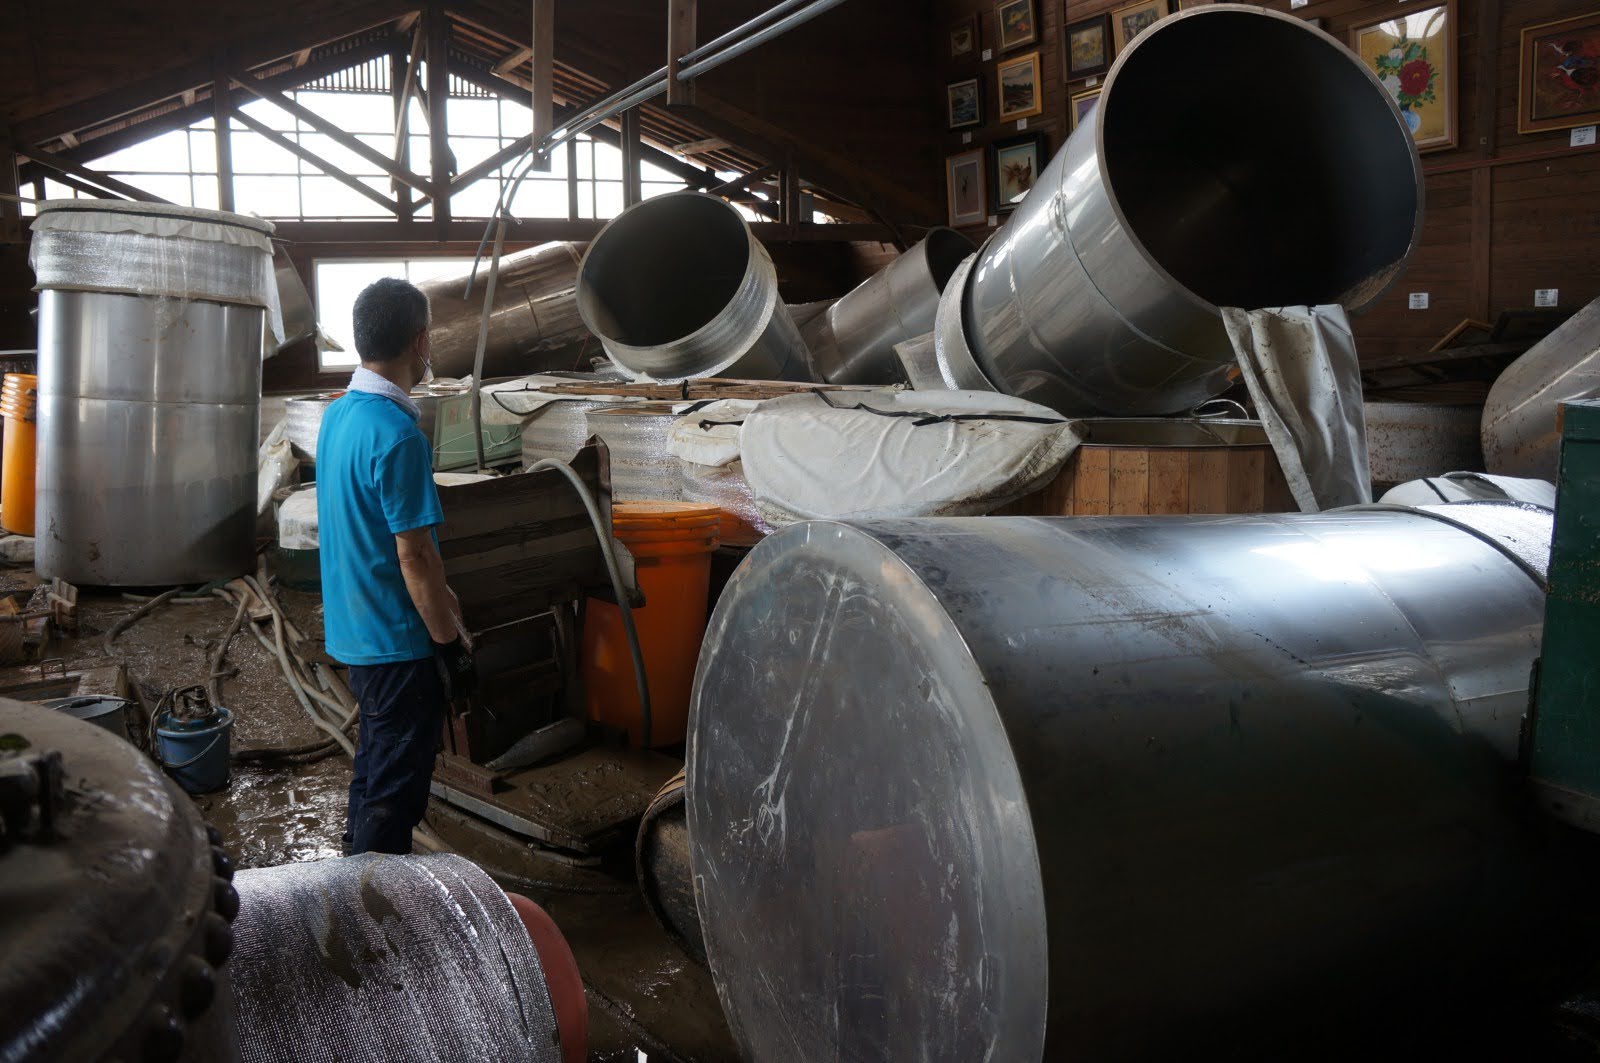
222, 131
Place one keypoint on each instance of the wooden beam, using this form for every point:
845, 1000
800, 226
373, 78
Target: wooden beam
51, 161
516, 58
510, 153
464, 235
682, 23
10, 209
1486, 92
318, 161
631, 189
572, 179
334, 23
251, 85
789, 193
222, 126
543, 54
702, 147
437, 25
400, 74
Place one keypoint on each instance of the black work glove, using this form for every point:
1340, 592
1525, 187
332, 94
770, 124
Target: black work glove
457, 671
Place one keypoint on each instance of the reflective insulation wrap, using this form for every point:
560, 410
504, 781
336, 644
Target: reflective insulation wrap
1116, 788
1412, 440
643, 467
1521, 431
678, 287
1100, 293
534, 324
114, 923
725, 487
302, 420
559, 429
853, 341
375, 958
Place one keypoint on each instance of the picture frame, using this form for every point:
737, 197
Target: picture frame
1086, 48
1017, 23
1018, 89
964, 42
1130, 21
1082, 104
1413, 55
1190, 5
965, 192
1016, 163
1559, 75
963, 103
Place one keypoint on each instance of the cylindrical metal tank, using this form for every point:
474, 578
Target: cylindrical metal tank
1521, 431
1116, 788
853, 341
1100, 293
678, 287
151, 320
534, 324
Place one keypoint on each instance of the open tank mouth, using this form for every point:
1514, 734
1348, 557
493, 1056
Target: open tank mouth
946, 250
1235, 200
663, 270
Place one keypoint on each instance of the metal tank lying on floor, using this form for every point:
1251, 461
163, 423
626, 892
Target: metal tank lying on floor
1113, 788
1100, 294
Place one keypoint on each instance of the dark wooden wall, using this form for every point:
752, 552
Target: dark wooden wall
1506, 213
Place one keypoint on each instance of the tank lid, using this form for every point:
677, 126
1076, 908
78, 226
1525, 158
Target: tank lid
138, 212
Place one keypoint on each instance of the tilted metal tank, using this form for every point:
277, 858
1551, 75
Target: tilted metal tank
1114, 788
678, 287
151, 319
1189, 187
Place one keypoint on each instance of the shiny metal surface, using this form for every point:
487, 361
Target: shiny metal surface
643, 467
853, 343
1413, 440
952, 354
149, 415
1521, 432
1116, 788
294, 304
677, 287
1100, 293
534, 325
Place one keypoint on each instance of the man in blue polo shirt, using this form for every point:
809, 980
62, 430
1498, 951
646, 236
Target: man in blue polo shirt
387, 612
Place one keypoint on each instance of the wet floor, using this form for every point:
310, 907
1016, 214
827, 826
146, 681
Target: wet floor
645, 995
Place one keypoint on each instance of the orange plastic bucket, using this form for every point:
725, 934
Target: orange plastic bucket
19, 404
671, 543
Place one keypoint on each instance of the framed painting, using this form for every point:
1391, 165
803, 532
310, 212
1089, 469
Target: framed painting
1128, 22
964, 38
1088, 48
1414, 56
963, 103
1018, 23
1082, 104
965, 191
1021, 95
1190, 5
1560, 75
1017, 163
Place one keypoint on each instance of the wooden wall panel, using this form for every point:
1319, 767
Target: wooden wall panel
1496, 228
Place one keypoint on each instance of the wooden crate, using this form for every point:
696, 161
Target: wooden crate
1141, 467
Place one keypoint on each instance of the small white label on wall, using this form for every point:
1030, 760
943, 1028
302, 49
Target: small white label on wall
1295, 5
1022, 123
966, 138
1091, 83
988, 54
1583, 136
1547, 297
1418, 301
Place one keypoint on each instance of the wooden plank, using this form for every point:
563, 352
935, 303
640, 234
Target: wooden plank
1277, 498
682, 33
1247, 479
1169, 481
1092, 482
1208, 480
400, 77
1130, 481
700, 147
631, 188
543, 53
294, 148
510, 153
51, 161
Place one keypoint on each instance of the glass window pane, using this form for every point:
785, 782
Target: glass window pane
650, 172
472, 118
255, 154
326, 197
608, 199
174, 188
515, 118
421, 155
585, 158
424, 269
585, 199
337, 284
470, 151
476, 200
167, 153
651, 189
270, 197
56, 190
269, 115
607, 162
337, 155
541, 198
202, 151
205, 191
363, 112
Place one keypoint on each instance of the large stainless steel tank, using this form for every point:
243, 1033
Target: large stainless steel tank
1110, 788
534, 325
678, 287
151, 320
1190, 186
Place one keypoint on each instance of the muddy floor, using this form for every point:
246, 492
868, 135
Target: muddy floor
647, 999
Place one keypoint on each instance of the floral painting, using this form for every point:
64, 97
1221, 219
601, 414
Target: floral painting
1560, 75
1413, 56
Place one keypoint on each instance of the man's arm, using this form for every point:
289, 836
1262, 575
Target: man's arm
423, 570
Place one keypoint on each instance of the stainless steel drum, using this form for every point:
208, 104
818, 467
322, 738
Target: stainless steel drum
1100, 293
150, 338
677, 287
1107, 788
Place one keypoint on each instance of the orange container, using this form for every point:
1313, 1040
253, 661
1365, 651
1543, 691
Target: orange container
671, 543
19, 404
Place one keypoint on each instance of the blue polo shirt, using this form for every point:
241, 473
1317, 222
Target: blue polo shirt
374, 480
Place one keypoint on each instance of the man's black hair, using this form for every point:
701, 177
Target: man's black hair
389, 314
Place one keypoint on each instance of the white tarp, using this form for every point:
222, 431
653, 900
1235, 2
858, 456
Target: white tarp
1471, 487
1300, 366
807, 460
